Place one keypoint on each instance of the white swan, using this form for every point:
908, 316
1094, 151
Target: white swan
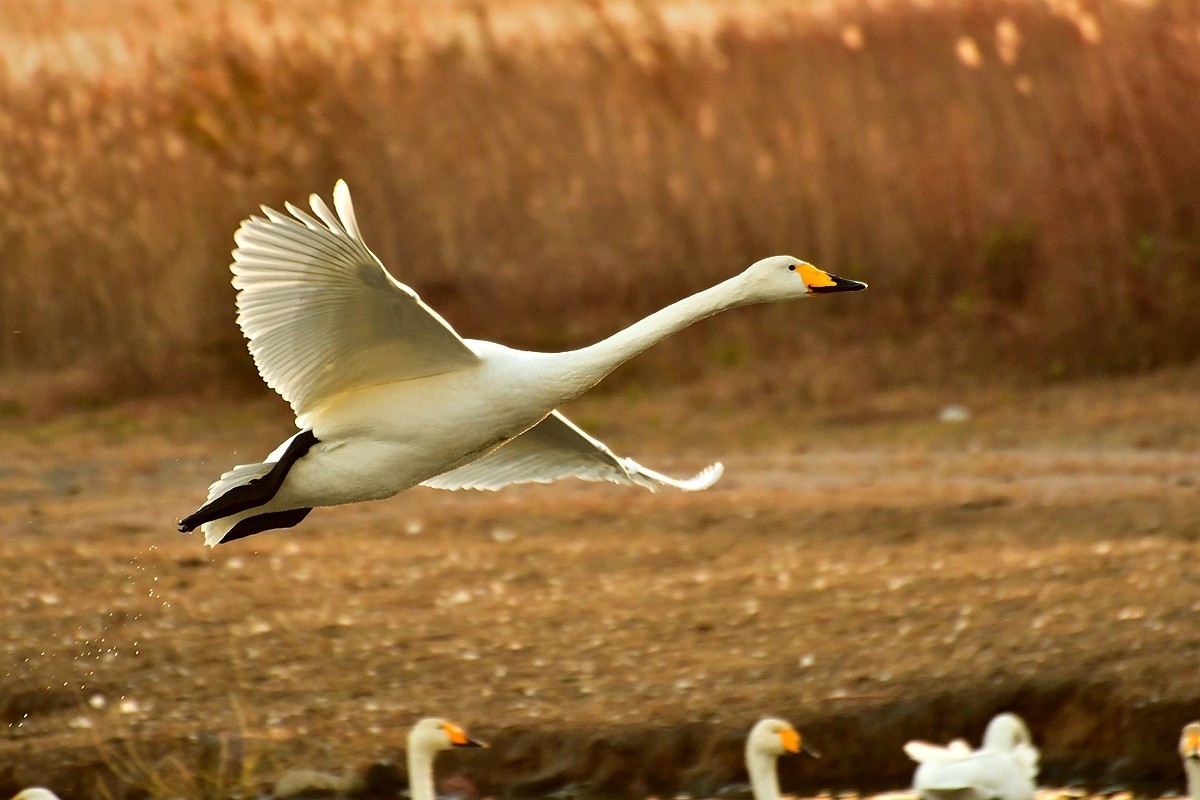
427, 738
768, 740
1189, 751
387, 396
35, 793
1004, 768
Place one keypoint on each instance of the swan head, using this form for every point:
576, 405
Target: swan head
775, 737
433, 734
1006, 732
785, 278
35, 793
1189, 742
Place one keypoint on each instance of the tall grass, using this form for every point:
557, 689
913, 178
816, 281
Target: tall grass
1020, 182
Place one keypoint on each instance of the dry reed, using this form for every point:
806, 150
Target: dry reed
1019, 181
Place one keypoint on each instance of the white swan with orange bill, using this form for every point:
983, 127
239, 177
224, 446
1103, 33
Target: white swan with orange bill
387, 396
427, 738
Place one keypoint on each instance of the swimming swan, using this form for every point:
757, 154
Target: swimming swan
387, 396
426, 739
1004, 768
1189, 751
768, 740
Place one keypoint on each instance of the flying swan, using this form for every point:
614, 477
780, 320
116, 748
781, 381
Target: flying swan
1004, 768
768, 740
388, 396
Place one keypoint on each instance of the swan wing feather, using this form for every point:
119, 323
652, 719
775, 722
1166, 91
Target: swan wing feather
925, 751
555, 449
321, 313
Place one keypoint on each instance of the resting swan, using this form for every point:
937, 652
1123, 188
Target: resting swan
768, 740
426, 739
1189, 751
1004, 768
387, 396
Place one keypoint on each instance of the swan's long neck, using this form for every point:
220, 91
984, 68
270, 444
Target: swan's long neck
420, 773
584, 368
1192, 767
764, 779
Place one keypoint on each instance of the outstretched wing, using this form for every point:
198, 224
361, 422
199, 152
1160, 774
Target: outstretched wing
322, 314
555, 449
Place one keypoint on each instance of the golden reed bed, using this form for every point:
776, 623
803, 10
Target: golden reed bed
1019, 181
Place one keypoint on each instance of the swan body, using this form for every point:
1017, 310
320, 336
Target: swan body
1189, 751
427, 738
1003, 768
388, 396
769, 739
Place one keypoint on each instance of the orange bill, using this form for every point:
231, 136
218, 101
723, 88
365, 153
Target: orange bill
458, 737
821, 282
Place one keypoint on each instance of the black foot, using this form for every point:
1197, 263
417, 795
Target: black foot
265, 522
254, 493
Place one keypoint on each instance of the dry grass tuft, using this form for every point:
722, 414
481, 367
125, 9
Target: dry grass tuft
1020, 182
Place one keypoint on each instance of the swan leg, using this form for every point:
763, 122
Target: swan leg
265, 522
255, 492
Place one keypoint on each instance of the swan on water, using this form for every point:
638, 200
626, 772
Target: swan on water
387, 395
1004, 768
768, 740
1189, 751
427, 738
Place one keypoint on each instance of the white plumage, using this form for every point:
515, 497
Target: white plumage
555, 448
387, 395
1003, 768
427, 738
769, 739
35, 793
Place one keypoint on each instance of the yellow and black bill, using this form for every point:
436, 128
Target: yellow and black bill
832, 283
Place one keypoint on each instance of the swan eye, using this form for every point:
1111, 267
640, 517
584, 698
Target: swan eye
792, 267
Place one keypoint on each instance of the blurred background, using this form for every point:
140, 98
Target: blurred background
1020, 180
971, 488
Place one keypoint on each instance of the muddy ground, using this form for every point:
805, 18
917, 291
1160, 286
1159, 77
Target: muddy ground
864, 569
